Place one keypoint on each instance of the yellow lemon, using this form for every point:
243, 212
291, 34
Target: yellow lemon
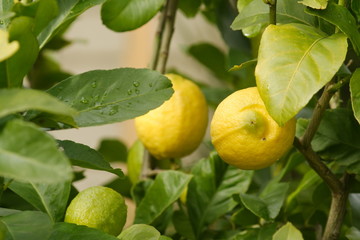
98, 207
177, 127
245, 135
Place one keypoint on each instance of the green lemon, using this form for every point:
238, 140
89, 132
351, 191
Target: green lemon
98, 207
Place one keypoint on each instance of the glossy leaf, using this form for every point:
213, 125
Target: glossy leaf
16, 67
288, 232
135, 160
341, 17
49, 198
24, 159
290, 67
126, 15
257, 12
317, 4
68, 11
69, 231
355, 93
18, 100
165, 190
7, 49
86, 157
140, 232
29, 225
255, 205
108, 96
210, 192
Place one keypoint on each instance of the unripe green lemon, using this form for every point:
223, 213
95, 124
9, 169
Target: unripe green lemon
177, 127
245, 135
98, 207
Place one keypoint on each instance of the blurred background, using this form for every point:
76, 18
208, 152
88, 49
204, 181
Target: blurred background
96, 47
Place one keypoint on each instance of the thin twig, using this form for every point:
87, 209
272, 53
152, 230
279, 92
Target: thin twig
273, 12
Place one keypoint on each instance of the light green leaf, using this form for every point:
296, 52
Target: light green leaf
50, 198
257, 12
29, 225
288, 232
135, 160
126, 15
355, 93
69, 231
353, 233
86, 157
7, 49
29, 154
5, 13
210, 192
291, 66
354, 200
140, 232
165, 190
108, 96
21, 100
317, 4
342, 18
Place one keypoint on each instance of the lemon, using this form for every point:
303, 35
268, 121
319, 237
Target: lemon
245, 135
98, 207
176, 128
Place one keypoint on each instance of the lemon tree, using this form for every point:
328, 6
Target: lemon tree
278, 81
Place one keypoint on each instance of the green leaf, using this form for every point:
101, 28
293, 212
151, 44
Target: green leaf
41, 11
68, 11
342, 18
355, 7
113, 150
189, 7
290, 67
86, 157
16, 67
255, 205
288, 232
18, 100
5, 13
69, 231
29, 225
135, 160
166, 189
354, 200
355, 93
108, 96
215, 95
50, 198
140, 232
317, 4
29, 154
182, 225
121, 16
7, 49
211, 57
257, 12
353, 233
210, 191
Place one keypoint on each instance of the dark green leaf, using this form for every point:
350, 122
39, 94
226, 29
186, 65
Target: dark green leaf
291, 78
107, 96
29, 225
274, 195
182, 225
69, 231
121, 185
140, 232
210, 191
86, 157
189, 7
49, 198
288, 232
257, 12
16, 67
317, 4
355, 6
113, 150
29, 154
128, 15
244, 218
166, 189
215, 95
139, 190
341, 17
135, 160
18, 100
211, 57
68, 11
256, 205
355, 93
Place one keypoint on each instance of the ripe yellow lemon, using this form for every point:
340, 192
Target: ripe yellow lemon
245, 135
177, 127
98, 207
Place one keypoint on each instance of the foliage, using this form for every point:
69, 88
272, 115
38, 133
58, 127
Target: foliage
298, 65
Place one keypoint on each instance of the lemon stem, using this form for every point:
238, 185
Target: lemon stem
338, 187
272, 12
